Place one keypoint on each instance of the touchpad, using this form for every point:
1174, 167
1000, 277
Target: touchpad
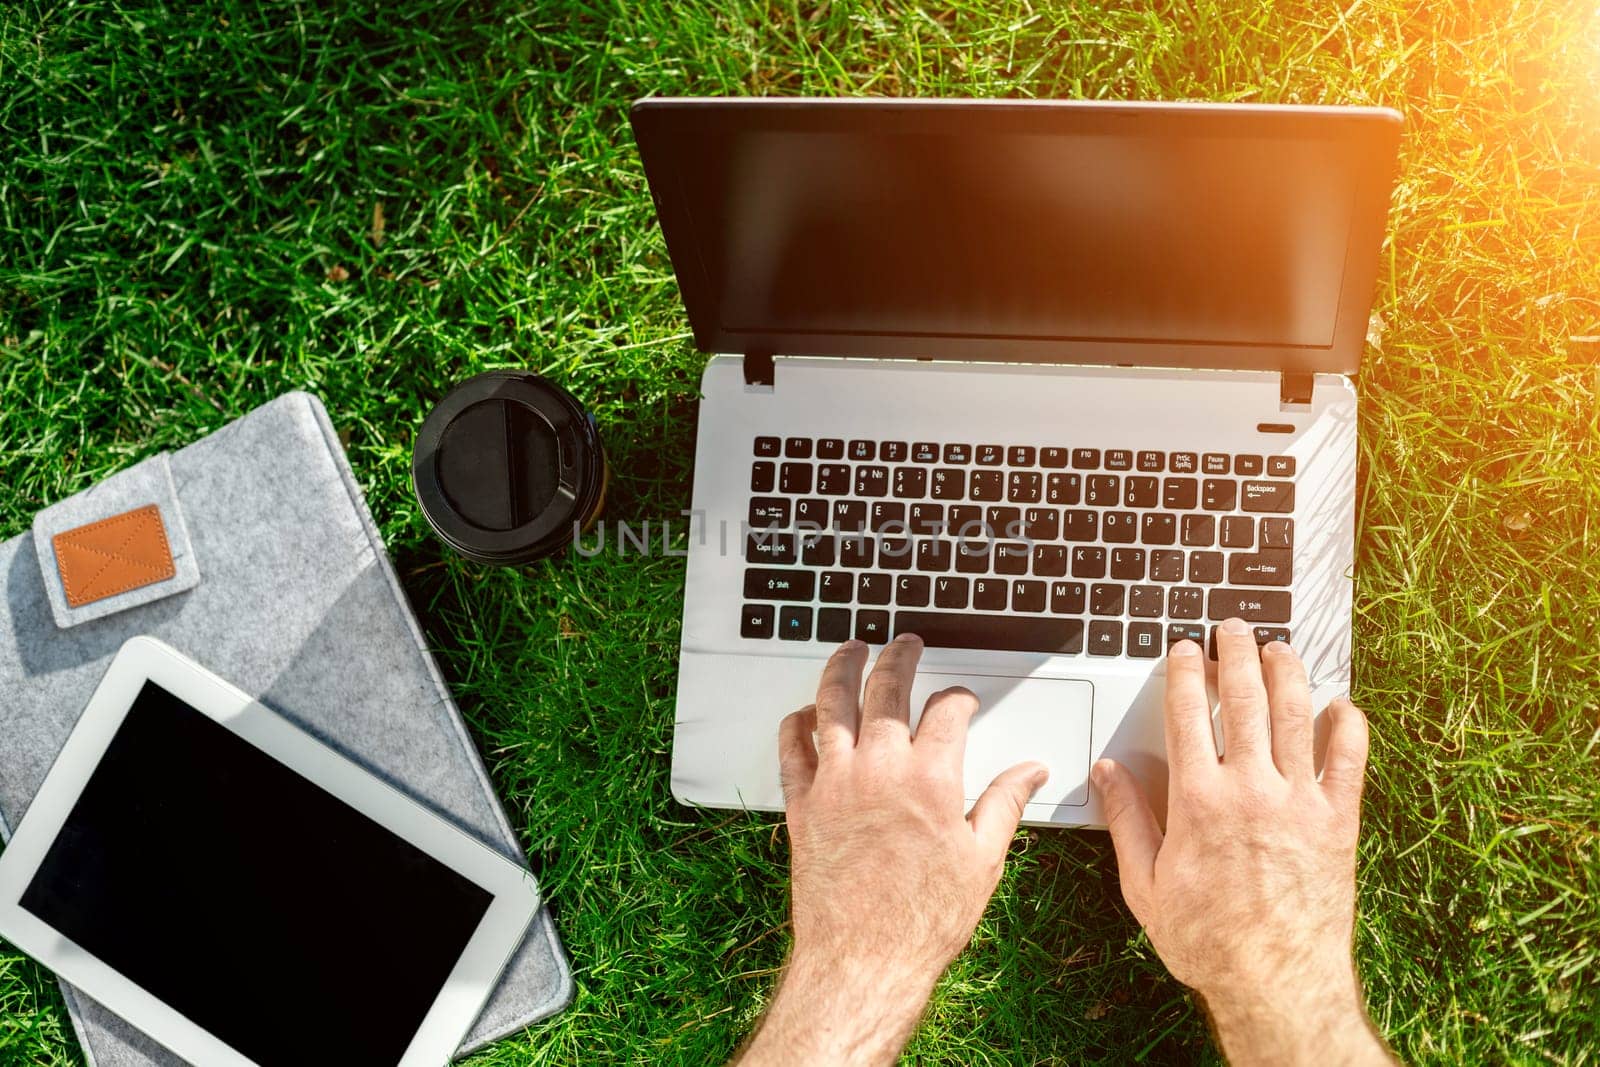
1021, 719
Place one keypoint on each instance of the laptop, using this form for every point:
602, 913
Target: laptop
1050, 384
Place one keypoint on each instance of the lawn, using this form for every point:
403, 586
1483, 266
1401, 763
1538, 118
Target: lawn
202, 206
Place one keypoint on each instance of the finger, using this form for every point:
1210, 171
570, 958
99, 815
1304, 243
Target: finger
1289, 700
1191, 749
995, 816
1135, 833
839, 698
886, 706
1244, 696
1344, 768
942, 731
797, 755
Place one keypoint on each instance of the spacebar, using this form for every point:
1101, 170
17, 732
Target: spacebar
1012, 633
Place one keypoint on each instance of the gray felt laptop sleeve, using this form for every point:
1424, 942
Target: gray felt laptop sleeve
295, 602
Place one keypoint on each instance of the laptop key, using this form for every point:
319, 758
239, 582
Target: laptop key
950, 592
1127, 564
1159, 528
809, 513
966, 520
1186, 631
833, 625
1199, 531
873, 588
1146, 601
1003, 521
763, 476
1179, 494
1153, 462
1270, 566
863, 451
872, 627
949, 484
797, 447
888, 515
1081, 526
990, 456
926, 519
769, 512
1063, 490
1186, 602
1183, 462
1277, 533
911, 590
1068, 598
1105, 638
1119, 459
872, 480
972, 557
1054, 458
819, 550
895, 553
794, 624
1280, 467
1050, 561
1140, 492
856, 551
1020, 455
830, 448
1086, 459
833, 479
755, 621
1106, 599
1265, 635
1101, 490
989, 594
1268, 496
1238, 531
849, 516
893, 451
958, 453
987, 485
795, 478
1041, 524
1027, 595
1089, 562
1214, 463
1011, 557
761, 583
771, 548
768, 446
924, 452
1245, 466
1119, 527
1166, 565
1205, 567
1219, 494
1001, 633
837, 587
934, 555
1144, 640
1251, 605
1023, 487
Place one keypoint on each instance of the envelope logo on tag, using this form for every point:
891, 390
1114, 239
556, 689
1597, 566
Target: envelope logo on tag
126, 551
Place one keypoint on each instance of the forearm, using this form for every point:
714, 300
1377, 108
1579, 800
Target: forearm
1316, 1023
838, 1013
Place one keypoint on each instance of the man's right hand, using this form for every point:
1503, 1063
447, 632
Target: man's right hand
1249, 895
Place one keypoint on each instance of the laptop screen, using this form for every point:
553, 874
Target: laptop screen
1205, 232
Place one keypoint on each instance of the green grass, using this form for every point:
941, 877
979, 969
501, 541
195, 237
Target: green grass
187, 203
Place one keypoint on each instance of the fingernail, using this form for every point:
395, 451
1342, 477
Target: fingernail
907, 637
1097, 773
1184, 650
851, 645
1236, 627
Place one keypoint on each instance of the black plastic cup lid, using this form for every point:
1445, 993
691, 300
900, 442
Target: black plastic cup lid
505, 465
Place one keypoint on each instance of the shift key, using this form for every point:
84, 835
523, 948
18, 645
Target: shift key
1272, 566
761, 583
1251, 605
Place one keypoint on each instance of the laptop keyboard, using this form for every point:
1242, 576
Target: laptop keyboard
1111, 552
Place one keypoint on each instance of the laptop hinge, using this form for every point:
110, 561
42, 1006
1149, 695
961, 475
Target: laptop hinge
758, 368
1294, 387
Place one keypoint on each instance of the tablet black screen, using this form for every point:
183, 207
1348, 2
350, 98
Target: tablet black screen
249, 899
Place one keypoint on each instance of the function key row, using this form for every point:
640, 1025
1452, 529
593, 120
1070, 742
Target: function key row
1111, 459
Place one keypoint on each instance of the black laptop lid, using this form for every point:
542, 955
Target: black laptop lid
1189, 235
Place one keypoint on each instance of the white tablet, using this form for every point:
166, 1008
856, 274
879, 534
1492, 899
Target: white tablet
244, 894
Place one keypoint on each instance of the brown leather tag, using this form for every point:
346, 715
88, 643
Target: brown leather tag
113, 555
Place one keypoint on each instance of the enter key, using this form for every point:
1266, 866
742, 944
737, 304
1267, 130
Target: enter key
1267, 567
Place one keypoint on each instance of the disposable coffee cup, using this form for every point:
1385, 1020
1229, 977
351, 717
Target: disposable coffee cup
508, 468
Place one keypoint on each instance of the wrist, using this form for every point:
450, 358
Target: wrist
1312, 1019
854, 1010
